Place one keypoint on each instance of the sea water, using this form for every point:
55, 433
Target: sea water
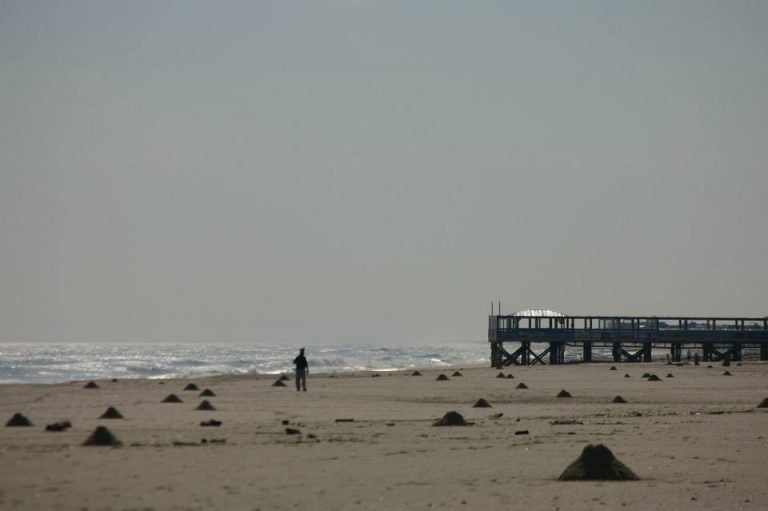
59, 362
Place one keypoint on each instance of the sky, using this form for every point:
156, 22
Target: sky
375, 171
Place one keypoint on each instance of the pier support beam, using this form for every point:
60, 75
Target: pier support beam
764, 351
647, 351
676, 352
556, 353
616, 351
587, 352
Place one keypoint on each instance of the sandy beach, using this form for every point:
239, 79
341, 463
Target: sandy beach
696, 440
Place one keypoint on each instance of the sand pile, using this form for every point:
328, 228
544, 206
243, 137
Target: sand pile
653, 377
619, 399
191, 386
670, 375
416, 373
627, 376
442, 377
727, 373
91, 385
521, 385
205, 405
172, 398
763, 403
292, 431
102, 436
500, 375
510, 376
646, 375
597, 462
278, 383
451, 419
18, 420
456, 373
111, 413
207, 393
613, 368
58, 426
564, 393
481, 403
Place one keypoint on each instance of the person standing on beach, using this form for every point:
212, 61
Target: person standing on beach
302, 369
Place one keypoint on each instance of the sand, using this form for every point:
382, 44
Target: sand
697, 441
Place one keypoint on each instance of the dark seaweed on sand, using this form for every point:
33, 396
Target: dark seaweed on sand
102, 437
172, 398
597, 462
564, 393
205, 405
456, 373
111, 413
452, 419
191, 386
278, 383
521, 385
416, 373
442, 377
18, 420
481, 403
207, 393
510, 376
619, 399
500, 375
763, 403
91, 385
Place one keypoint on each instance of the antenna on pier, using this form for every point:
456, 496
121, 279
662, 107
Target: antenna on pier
499, 307
491, 307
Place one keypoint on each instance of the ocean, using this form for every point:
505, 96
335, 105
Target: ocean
61, 362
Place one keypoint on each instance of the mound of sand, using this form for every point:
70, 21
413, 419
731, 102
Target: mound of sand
205, 405
102, 436
597, 462
18, 420
646, 375
111, 413
627, 376
481, 403
278, 383
564, 393
727, 373
172, 398
619, 399
442, 377
451, 419
670, 375
191, 386
763, 403
500, 375
521, 385
456, 373
91, 385
653, 377
58, 426
416, 373
510, 376
207, 393
613, 368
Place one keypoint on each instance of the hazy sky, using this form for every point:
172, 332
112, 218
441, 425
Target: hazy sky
376, 171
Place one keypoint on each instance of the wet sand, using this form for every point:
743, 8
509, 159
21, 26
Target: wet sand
696, 441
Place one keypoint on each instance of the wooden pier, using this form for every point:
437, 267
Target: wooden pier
630, 338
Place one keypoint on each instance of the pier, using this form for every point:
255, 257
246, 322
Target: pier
630, 338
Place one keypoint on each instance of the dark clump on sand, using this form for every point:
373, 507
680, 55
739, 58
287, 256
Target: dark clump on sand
613, 368
91, 385
522, 432
521, 385
172, 398
619, 399
670, 375
456, 373
416, 373
102, 436
114, 380
500, 375
727, 373
646, 375
278, 383
284, 377
375, 375
710, 366
211, 423
18, 420
627, 376
292, 431
481, 403
207, 393
205, 405
564, 393
597, 462
111, 413
442, 377
763, 403
58, 426
451, 419
510, 376
191, 386
653, 377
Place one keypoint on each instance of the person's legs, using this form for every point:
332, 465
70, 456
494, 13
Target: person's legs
304, 381
298, 379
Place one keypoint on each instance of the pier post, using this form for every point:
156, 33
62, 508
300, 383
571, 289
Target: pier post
616, 351
764, 351
707, 351
587, 352
647, 351
495, 356
556, 353
676, 352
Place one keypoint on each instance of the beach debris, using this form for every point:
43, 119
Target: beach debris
481, 403
416, 373
522, 432
727, 373
510, 376
456, 373
613, 368
205, 405
670, 375
564, 393
285, 422
213, 441
114, 380
442, 377
627, 376
211, 423
283, 377
451, 419
597, 462
91, 385
500, 375
646, 375
521, 385
375, 375
348, 419
181, 443
710, 366
292, 431
111, 413
653, 377
496, 416
161, 382
101, 436
18, 420
565, 422
278, 383
619, 399
172, 398
58, 426
207, 393
763, 403
191, 386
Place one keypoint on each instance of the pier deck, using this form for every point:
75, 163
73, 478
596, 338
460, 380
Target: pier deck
631, 338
